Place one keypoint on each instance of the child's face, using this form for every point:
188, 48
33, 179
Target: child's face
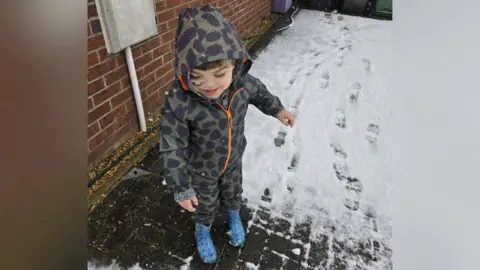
213, 82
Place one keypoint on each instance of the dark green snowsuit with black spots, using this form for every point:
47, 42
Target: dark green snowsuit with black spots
202, 141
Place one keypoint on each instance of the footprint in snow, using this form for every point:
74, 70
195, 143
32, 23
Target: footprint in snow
267, 196
292, 180
288, 210
293, 79
338, 150
296, 141
351, 203
341, 54
316, 65
353, 184
340, 119
293, 162
290, 84
280, 139
341, 171
370, 221
324, 80
354, 92
345, 30
367, 66
355, 188
373, 130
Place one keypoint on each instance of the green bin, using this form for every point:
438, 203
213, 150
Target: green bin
383, 8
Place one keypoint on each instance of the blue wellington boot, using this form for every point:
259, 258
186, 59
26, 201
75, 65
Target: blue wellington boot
237, 232
205, 247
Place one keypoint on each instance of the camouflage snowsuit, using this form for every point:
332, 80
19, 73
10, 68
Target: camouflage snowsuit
202, 141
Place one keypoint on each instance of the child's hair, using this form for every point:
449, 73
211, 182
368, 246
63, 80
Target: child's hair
215, 64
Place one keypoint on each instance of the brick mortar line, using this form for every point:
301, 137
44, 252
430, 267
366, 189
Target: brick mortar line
144, 98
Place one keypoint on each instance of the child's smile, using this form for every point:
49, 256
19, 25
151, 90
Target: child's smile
210, 92
212, 82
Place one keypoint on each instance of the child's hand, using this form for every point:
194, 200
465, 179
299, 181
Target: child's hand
286, 118
188, 204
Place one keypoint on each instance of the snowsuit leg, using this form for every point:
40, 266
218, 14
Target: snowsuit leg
230, 185
208, 199
227, 191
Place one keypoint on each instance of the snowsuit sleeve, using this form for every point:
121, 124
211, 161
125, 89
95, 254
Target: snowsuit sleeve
261, 98
174, 137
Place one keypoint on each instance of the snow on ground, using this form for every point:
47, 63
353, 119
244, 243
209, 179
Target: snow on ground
114, 266
333, 72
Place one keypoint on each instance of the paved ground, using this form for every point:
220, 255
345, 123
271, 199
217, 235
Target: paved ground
139, 223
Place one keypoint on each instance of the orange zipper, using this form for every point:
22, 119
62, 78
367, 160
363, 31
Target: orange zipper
229, 119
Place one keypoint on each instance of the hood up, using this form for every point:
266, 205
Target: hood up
205, 35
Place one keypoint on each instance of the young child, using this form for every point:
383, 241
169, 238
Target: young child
203, 120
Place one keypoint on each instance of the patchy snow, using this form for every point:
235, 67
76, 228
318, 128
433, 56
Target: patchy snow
332, 167
296, 251
187, 262
113, 266
283, 256
251, 266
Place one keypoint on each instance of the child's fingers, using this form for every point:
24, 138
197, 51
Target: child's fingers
190, 207
291, 121
288, 121
187, 205
195, 201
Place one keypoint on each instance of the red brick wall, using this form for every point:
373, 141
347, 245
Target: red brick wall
112, 117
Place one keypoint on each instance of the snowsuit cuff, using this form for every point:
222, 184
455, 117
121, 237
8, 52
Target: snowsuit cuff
184, 195
276, 111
